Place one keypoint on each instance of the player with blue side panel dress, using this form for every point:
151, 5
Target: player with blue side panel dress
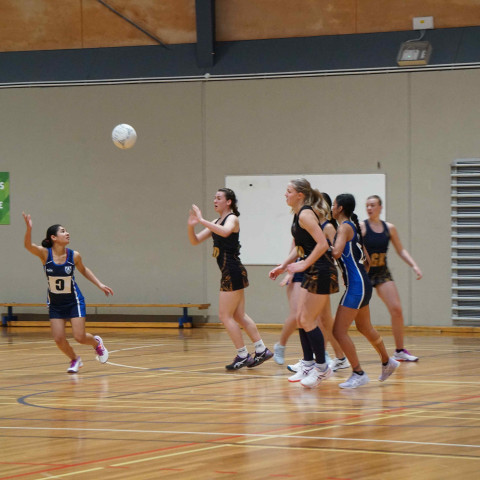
65, 300
349, 249
226, 249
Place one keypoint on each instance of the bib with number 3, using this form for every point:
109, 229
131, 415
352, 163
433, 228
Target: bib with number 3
60, 284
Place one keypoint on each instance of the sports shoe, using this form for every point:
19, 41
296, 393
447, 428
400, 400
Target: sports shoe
259, 358
296, 366
102, 352
316, 377
303, 371
388, 369
355, 381
337, 364
404, 356
239, 362
279, 354
75, 365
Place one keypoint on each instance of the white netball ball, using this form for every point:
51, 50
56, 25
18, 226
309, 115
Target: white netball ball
124, 136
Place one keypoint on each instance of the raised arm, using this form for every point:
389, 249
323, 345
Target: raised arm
231, 224
402, 253
37, 250
196, 238
89, 275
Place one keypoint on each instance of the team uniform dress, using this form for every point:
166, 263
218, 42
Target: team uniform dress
359, 287
320, 278
227, 251
377, 246
65, 300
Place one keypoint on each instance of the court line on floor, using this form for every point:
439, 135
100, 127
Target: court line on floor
240, 435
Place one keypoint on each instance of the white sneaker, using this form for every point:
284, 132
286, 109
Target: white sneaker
303, 371
316, 376
102, 352
337, 364
355, 381
404, 356
75, 365
295, 367
388, 369
279, 354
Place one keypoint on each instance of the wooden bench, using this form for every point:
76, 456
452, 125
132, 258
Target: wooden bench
185, 318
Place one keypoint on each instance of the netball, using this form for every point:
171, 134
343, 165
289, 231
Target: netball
124, 136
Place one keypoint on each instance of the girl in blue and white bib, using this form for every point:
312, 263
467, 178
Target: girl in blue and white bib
65, 300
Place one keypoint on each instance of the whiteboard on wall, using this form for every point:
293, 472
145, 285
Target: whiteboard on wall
265, 218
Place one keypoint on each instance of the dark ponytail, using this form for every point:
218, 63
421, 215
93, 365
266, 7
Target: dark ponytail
327, 199
230, 195
47, 241
347, 202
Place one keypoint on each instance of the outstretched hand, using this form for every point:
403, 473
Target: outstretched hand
276, 272
28, 220
418, 272
107, 290
197, 212
192, 218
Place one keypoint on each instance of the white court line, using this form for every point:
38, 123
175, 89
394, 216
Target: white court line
247, 435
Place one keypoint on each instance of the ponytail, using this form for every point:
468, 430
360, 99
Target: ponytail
230, 195
47, 241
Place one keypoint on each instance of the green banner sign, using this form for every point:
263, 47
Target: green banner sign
4, 198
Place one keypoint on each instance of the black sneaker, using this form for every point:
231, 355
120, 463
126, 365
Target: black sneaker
239, 362
260, 358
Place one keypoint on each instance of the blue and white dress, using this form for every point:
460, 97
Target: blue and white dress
65, 300
359, 287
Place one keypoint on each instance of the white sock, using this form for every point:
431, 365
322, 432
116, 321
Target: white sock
242, 352
259, 346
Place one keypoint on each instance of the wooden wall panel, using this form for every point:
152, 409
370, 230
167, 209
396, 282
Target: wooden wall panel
380, 16
259, 19
172, 21
63, 24
40, 25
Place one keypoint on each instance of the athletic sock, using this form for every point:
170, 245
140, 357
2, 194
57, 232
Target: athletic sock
307, 349
242, 352
317, 344
259, 346
360, 372
398, 350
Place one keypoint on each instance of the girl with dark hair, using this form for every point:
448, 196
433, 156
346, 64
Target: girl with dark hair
319, 281
65, 300
376, 235
226, 249
349, 249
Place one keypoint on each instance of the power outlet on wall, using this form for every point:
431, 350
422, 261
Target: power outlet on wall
422, 23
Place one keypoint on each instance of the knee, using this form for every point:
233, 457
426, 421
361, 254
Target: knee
59, 339
80, 337
396, 310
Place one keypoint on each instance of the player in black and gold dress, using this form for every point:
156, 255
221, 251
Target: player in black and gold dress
226, 248
377, 235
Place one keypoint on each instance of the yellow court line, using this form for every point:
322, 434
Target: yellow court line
358, 450
74, 473
319, 428
168, 455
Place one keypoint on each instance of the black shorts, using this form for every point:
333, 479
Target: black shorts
321, 279
379, 275
234, 274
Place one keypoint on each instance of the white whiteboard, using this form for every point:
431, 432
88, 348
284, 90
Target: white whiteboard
265, 218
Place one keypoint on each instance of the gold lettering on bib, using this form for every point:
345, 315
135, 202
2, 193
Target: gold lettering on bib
300, 251
216, 252
377, 260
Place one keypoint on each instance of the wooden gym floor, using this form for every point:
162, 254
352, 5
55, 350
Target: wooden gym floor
164, 407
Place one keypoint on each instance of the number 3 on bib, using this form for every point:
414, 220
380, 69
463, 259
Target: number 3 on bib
60, 284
